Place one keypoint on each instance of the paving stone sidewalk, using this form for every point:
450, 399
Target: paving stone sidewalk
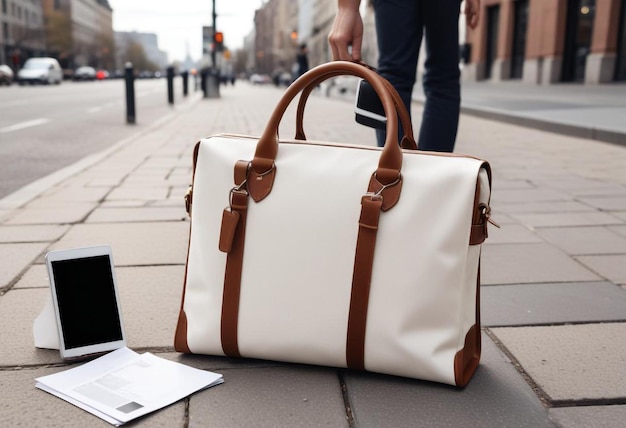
553, 282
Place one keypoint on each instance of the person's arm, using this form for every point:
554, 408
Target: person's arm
347, 30
472, 13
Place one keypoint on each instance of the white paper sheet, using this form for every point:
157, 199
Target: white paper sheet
124, 385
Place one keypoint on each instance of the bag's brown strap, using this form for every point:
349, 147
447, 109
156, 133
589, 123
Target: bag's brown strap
232, 239
371, 206
390, 160
408, 140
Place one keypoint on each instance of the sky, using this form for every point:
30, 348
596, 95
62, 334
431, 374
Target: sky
178, 23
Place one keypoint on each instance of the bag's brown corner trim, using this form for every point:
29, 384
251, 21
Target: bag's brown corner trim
467, 359
180, 338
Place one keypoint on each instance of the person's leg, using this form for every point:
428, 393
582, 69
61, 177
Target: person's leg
440, 119
399, 34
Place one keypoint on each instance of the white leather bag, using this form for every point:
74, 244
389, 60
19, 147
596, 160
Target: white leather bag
336, 255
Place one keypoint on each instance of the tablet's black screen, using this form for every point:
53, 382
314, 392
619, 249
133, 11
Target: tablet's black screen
86, 299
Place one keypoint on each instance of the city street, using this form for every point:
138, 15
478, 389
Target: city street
553, 278
45, 128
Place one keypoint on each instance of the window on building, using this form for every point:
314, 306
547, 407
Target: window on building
520, 26
620, 67
4, 6
579, 31
5, 31
493, 23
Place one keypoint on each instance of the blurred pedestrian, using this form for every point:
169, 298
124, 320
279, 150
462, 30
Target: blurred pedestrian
400, 25
302, 59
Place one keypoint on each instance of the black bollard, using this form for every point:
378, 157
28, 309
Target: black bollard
170, 85
203, 82
185, 76
129, 77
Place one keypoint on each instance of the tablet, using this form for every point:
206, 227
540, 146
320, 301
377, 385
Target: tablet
86, 302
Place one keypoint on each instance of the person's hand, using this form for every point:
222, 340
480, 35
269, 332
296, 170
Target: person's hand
472, 13
347, 30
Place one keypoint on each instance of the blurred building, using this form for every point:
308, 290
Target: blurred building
324, 12
79, 32
149, 43
22, 31
249, 53
282, 25
276, 41
549, 41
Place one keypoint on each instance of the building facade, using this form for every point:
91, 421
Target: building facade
549, 41
22, 31
80, 32
276, 36
282, 25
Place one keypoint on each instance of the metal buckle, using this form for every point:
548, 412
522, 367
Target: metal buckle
188, 198
486, 213
379, 193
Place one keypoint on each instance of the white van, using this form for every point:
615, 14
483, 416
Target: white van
40, 70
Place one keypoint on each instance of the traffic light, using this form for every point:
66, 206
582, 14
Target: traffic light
218, 38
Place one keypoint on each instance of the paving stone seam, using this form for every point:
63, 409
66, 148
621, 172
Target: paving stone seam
346, 399
186, 412
539, 392
588, 402
548, 283
589, 268
19, 367
152, 350
18, 277
544, 398
558, 324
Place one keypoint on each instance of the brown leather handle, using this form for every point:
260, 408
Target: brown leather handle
408, 140
390, 162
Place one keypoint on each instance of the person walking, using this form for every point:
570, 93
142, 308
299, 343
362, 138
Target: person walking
400, 25
302, 59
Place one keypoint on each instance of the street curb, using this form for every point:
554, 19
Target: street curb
606, 136
29, 192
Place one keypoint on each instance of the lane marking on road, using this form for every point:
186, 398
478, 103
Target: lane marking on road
14, 103
22, 125
94, 109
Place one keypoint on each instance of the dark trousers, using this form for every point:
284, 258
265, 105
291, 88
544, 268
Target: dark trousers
400, 25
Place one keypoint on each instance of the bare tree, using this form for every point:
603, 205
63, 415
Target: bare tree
136, 54
59, 33
31, 37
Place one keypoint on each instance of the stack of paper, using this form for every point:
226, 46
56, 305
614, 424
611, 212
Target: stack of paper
124, 385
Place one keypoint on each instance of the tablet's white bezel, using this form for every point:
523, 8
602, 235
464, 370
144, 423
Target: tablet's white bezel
79, 253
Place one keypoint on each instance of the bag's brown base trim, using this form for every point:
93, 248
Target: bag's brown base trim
180, 339
467, 359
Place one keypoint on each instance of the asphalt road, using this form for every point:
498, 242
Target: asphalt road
46, 128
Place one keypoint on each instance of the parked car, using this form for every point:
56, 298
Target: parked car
6, 75
84, 73
260, 79
40, 70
